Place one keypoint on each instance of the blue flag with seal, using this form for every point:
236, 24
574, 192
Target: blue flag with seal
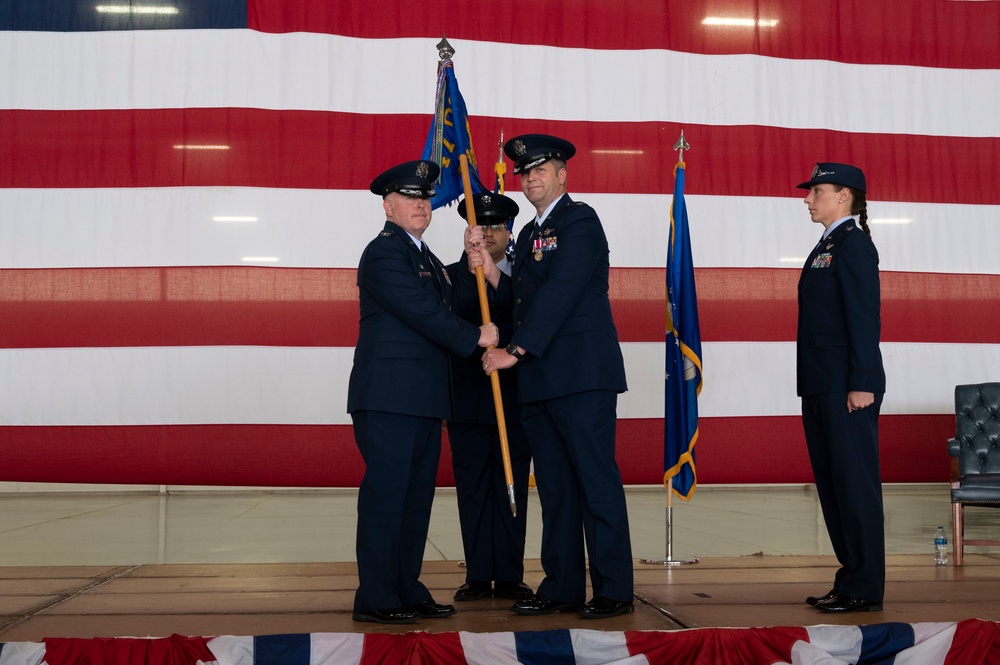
683, 350
449, 137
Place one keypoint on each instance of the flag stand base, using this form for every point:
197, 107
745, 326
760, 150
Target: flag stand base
669, 559
668, 562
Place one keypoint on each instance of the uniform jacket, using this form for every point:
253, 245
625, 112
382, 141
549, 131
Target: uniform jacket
473, 388
839, 321
562, 314
407, 329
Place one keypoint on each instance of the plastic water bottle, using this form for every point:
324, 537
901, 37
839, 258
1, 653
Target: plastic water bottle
940, 547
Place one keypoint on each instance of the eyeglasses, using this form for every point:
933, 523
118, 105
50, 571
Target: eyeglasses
494, 228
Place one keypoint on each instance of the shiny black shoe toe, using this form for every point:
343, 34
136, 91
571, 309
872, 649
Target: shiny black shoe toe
605, 608
398, 615
843, 604
431, 610
537, 604
512, 590
830, 595
473, 591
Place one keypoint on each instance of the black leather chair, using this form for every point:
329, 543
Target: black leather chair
975, 469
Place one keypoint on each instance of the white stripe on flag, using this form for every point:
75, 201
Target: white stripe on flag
309, 71
22, 653
174, 226
489, 648
336, 648
308, 385
232, 649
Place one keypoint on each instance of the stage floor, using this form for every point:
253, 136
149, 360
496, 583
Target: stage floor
130, 564
261, 599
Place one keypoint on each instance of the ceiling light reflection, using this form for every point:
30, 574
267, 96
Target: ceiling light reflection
739, 22
792, 259
889, 220
135, 9
201, 146
232, 218
260, 259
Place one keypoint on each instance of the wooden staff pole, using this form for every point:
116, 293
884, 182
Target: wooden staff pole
484, 309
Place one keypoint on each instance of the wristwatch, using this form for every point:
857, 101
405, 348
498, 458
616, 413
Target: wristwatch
512, 350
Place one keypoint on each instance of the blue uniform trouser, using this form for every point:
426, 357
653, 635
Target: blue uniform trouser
492, 537
572, 442
843, 449
401, 456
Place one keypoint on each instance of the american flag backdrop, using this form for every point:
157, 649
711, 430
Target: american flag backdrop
183, 203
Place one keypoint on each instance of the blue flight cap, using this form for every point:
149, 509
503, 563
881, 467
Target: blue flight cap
491, 209
836, 174
414, 179
530, 150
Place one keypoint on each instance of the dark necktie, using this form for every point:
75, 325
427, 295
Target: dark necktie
425, 252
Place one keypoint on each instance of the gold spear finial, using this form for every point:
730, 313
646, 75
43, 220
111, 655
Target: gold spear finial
681, 146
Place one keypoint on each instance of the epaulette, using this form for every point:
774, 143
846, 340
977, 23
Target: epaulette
385, 234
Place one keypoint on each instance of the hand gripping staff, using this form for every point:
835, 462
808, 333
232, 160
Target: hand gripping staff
484, 309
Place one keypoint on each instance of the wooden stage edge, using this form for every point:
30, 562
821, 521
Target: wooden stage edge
264, 599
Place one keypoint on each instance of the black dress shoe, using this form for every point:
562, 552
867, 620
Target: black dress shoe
431, 610
473, 591
538, 604
512, 590
843, 604
399, 615
605, 608
830, 595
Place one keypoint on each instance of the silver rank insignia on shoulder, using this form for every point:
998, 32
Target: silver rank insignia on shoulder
385, 234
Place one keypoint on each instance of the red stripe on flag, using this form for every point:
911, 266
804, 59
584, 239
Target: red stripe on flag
326, 456
922, 33
413, 648
755, 645
178, 306
176, 650
305, 149
252, 306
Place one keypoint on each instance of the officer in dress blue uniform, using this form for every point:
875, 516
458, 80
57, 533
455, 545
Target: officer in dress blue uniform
569, 374
399, 392
493, 538
841, 382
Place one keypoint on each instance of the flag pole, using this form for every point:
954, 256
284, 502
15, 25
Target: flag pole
669, 559
484, 309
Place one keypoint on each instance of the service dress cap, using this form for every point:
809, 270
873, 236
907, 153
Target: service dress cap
531, 150
836, 174
414, 179
491, 208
